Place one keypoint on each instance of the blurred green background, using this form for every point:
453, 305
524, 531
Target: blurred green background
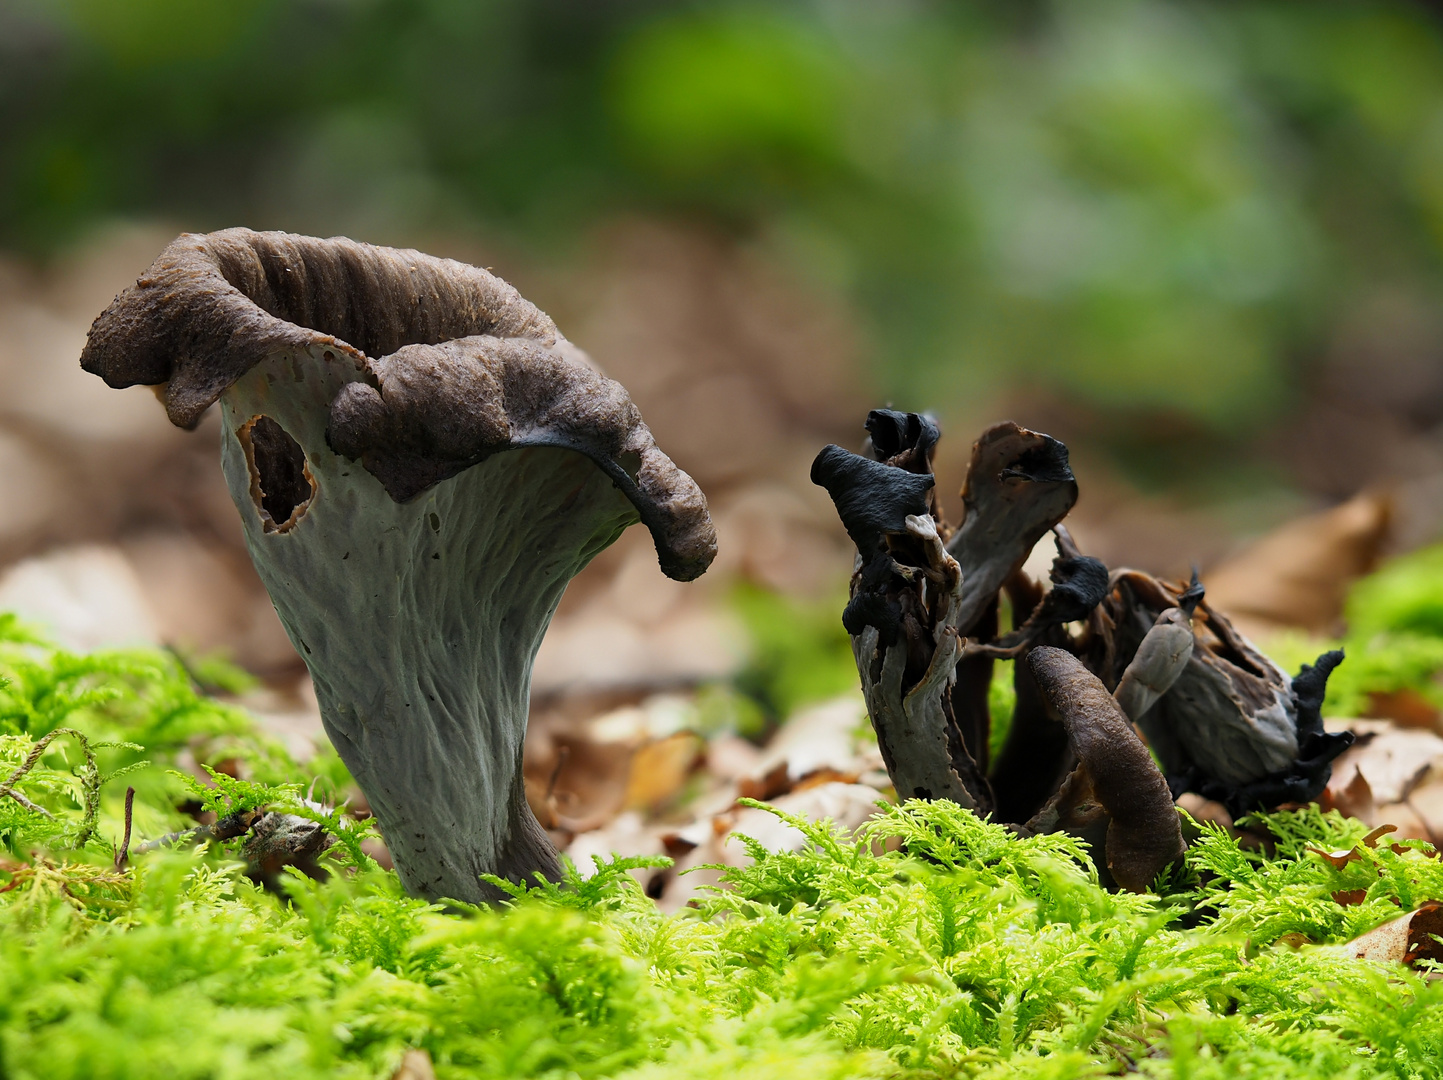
1180, 221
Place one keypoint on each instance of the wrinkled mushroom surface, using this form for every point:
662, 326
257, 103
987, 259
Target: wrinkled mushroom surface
421, 463
1231, 725
1143, 831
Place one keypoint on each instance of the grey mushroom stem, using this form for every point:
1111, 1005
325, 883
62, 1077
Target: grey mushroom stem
919, 741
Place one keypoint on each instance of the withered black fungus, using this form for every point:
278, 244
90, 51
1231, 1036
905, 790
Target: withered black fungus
1079, 584
923, 613
1193, 595
1307, 775
1018, 486
902, 439
872, 499
1232, 727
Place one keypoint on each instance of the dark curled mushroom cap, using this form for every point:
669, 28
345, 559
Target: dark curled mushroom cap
872, 499
906, 440
439, 409
453, 365
1018, 486
1144, 835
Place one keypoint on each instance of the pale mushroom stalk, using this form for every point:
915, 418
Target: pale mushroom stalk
905, 596
1161, 657
421, 463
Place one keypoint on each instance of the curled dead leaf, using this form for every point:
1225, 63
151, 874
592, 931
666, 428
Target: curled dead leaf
1404, 940
659, 770
1341, 858
1298, 575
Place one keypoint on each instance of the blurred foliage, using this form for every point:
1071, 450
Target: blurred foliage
800, 652
1161, 207
1394, 638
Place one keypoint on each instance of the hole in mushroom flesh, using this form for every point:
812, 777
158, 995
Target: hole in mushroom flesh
281, 482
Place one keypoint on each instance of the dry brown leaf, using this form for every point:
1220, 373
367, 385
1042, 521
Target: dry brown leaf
1298, 575
660, 768
729, 757
766, 785
1407, 708
1409, 823
824, 776
1205, 809
1394, 760
818, 744
1353, 796
1341, 858
1427, 801
1405, 940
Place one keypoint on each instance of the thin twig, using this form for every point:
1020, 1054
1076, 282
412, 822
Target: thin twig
124, 853
36, 752
227, 828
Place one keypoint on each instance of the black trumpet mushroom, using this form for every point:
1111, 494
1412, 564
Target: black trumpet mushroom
1099, 657
421, 463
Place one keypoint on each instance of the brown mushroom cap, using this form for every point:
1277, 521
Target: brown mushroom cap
1144, 835
451, 365
1018, 486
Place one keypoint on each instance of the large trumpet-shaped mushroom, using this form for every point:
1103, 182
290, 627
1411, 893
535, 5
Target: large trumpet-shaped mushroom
421, 463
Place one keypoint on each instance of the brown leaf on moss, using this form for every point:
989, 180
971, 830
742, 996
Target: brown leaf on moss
1405, 940
1341, 858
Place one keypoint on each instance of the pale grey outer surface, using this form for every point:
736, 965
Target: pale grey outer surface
420, 621
1159, 660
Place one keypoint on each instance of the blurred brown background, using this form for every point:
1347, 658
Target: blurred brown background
1200, 242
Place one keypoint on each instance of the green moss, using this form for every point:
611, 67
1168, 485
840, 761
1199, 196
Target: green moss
932, 944
1001, 700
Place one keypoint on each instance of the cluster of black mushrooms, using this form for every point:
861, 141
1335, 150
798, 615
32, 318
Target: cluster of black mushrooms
1099, 657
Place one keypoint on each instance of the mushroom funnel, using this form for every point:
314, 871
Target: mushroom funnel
421, 463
